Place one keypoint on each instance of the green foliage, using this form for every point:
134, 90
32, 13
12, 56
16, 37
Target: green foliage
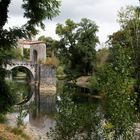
35, 11
102, 57
2, 118
94, 85
129, 37
116, 86
51, 45
6, 98
4, 10
75, 121
78, 41
26, 53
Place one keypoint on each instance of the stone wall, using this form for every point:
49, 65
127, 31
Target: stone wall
47, 79
41, 52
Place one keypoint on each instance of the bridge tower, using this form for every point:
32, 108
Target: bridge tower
44, 75
38, 52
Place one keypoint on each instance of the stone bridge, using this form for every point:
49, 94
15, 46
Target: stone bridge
40, 73
30, 66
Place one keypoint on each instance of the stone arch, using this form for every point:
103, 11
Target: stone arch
32, 76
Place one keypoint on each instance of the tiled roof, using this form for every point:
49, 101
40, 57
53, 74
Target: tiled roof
29, 42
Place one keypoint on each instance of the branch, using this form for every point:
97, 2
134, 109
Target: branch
4, 4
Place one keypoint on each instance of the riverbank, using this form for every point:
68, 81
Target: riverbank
33, 132
9, 133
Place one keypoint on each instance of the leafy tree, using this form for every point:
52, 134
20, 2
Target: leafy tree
115, 80
115, 83
77, 46
75, 121
102, 57
129, 37
51, 45
35, 11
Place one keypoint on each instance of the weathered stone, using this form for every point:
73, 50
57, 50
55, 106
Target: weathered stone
38, 53
47, 79
43, 75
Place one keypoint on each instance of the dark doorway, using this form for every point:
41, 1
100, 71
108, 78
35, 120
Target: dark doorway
35, 56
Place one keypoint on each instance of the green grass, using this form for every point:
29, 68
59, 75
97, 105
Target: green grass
18, 131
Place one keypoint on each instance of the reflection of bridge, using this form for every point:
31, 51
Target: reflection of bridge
30, 66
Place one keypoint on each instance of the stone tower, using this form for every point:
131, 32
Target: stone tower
38, 52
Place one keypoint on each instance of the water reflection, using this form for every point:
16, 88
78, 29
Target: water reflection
42, 113
78, 118
35, 109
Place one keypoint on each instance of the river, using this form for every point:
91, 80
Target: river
69, 114
38, 112
33, 110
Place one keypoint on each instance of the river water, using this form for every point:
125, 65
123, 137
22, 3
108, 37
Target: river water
35, 111
72, 115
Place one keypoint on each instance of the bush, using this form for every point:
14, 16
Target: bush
52, 61
7, 99
94, 85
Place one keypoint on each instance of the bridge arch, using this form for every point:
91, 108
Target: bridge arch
29, 66
24, 69
29, 90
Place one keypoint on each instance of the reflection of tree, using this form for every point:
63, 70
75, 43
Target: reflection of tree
21, 90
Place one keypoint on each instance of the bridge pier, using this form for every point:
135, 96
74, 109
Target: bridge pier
45, 79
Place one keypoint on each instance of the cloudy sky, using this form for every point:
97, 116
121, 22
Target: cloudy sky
103, 12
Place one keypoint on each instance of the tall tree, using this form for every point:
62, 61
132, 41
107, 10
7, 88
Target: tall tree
77, 45
51, 45
35, 11
129, 37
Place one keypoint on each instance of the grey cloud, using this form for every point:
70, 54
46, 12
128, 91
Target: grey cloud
99, 10
104, 13
15, 8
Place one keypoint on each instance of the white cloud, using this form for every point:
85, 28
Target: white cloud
15, 8
104, 13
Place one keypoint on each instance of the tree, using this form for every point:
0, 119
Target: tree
102, 57
76, 121
129, 37
51, 45
116, 79
35, 11
77, 46
114, 82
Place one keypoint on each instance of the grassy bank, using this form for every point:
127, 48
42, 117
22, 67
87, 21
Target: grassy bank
8, 133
